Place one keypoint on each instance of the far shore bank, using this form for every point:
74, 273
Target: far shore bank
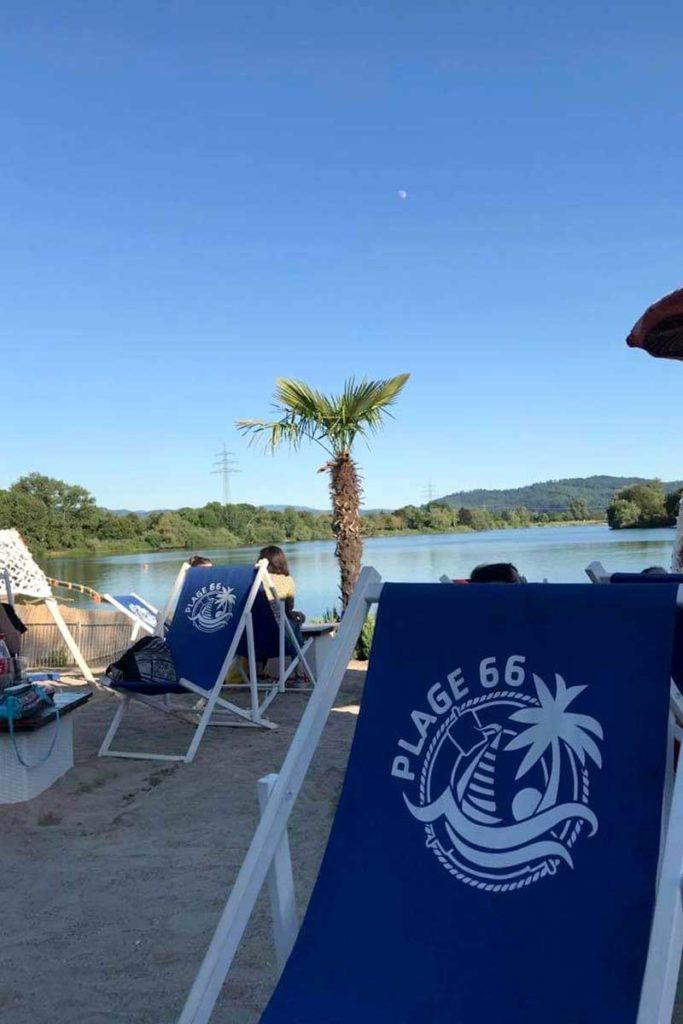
106, 549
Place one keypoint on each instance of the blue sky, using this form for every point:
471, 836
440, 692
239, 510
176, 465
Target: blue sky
200, 196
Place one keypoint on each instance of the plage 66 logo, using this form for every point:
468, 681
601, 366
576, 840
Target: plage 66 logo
496, 770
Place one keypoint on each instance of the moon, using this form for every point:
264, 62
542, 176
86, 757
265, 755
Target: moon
402, 194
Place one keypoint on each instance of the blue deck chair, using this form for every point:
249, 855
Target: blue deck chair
597, 573
213, 613
273, 633
505, 848
141, 613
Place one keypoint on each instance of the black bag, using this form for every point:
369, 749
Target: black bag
149, 661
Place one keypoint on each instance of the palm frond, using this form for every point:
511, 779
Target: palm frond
273, 434
333, 421
302, 400
361, 407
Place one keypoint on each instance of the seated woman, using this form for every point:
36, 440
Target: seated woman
496, 572
283, 584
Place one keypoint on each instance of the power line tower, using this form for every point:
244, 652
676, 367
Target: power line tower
225, 466
429, 493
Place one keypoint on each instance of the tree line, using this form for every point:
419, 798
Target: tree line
53, 515
643, 505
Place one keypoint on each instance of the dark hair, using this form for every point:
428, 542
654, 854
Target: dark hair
277, 560
654, 570
497, 572
198, 560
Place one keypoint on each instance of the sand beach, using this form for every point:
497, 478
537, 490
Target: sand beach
113, 879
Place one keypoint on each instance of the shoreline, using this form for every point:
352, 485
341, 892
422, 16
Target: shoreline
135, 549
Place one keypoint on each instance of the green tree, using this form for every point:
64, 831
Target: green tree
671, 502
623, 514
578, 509
476, 518
642, 504
28, 514
334, 422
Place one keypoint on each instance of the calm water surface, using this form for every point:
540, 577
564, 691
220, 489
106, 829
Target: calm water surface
558, 554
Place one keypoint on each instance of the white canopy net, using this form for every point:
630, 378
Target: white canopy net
26, 577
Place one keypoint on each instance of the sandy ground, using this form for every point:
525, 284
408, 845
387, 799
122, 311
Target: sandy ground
112, 881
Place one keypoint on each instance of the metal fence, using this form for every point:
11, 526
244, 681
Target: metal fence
100, 643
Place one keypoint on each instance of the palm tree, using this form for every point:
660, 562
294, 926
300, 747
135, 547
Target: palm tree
334, 422
549, 724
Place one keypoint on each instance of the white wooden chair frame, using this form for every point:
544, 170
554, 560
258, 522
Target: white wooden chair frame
211, 703
286, 632
45, 595
268, 855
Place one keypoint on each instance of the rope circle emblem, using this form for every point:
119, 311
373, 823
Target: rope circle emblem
503, 785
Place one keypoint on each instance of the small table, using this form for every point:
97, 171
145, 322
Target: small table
322, 634
40, 751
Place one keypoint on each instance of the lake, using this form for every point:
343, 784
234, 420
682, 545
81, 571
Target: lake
556, 553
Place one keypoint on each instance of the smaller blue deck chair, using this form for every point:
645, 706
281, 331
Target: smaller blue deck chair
508, 844
213, 620
141, 613
144, 616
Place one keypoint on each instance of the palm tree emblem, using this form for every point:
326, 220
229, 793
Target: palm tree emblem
550, 726
225, 600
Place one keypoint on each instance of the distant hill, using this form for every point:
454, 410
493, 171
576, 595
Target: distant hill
297, 508
269, 508
136, 511
551, 495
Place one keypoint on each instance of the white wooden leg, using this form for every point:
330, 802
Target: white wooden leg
280, 887
281, 647
253, 677
69, 640
115, 723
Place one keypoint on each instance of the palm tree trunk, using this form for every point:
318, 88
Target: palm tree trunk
346, 493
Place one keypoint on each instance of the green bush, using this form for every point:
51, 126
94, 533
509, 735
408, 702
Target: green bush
364, 644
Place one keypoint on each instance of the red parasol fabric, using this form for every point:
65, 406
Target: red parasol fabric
660, 329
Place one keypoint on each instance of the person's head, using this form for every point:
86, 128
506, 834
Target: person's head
276, 558
654, 570
199, 560
496, 572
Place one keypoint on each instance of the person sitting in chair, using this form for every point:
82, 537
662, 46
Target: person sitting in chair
497, 572
199, 561
283, 585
